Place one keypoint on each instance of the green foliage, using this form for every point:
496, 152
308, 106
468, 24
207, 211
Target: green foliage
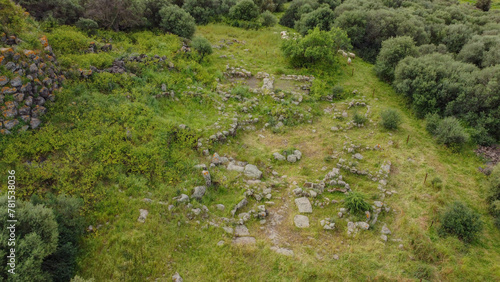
481, 50
450, 132
177, 21
152, 11
322, 17
295, 11
268, 19
202, 46
355, 202
116, 14
64, 11
437, 182
36, 238
316, 47
391, 119
245, 10
201, 10
86, 24
359, 118
461, 221
69, 40
493, 186
484, 5
432, 122
456, 37
393, 50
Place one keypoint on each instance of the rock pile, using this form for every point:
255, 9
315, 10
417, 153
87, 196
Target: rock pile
30, 80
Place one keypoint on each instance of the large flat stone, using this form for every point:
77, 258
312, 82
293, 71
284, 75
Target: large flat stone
244, 241
301, 221
241, 231
304, 205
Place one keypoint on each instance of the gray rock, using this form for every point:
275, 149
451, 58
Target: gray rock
385, 230
240, 205
220, 243
282, 251
358, 156
182, 198
298, 154
383, 237
241, 231
363, 225
228, 230
220, 207
201, 166
198, 192
177, 278
207, 177
279, 157
291, 158
233, 166
244, 241
304, 205
196, 211
33, 68
252, 171
297, 191
143, 215
378, 204
301, 221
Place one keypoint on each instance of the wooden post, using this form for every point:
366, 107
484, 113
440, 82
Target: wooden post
425, 177
407, 139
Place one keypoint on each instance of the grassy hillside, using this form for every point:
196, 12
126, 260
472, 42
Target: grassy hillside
108, 140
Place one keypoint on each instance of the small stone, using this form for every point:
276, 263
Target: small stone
385, 230
252, 171
301, 221
363, 225
220, 207
182, 198
304, 205
241, 231
291, 158
383, 237
244, 241
283, 251
220, 243
358, 156
177, 278
228, 230
143, 215
279, 157
336, 257
198, 192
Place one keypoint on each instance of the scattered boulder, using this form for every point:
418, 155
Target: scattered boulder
279, 157
304, 205
385, 230
198, 192
239, 206
235, 167
301, 221
252, 171
177, 278
241, 231
358, 156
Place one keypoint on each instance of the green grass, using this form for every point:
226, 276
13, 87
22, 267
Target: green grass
495, 4
87, 152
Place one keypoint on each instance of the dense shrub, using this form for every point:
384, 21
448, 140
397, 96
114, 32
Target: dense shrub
87, 25
393, 50
65, 11
481, 50
432, 122
322, 17
68, 40
484, 5
391, 119
296, 9
201, 10
461, 221
359, 118
316, 47
356, 203
202, 46
456, 37
268, 19
36, 238
116, 14
152, 11
244, 10
450, 132
177, 21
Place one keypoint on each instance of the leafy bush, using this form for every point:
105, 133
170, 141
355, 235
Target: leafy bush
68, 40
201, 10
152, 11
481, 50
456, 37
358, 118
202, 46
461, 221
116, 14
432, 122
86, 24
36, 238
484, 5
356, 203
391, 119
316, 47
322, 17
296, 9
493, 186
244, 10
393, 50
177, 21
65, 11
268, 19
450, 132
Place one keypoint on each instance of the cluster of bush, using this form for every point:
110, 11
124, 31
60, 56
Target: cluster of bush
177, 17
47, 235
493, 186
